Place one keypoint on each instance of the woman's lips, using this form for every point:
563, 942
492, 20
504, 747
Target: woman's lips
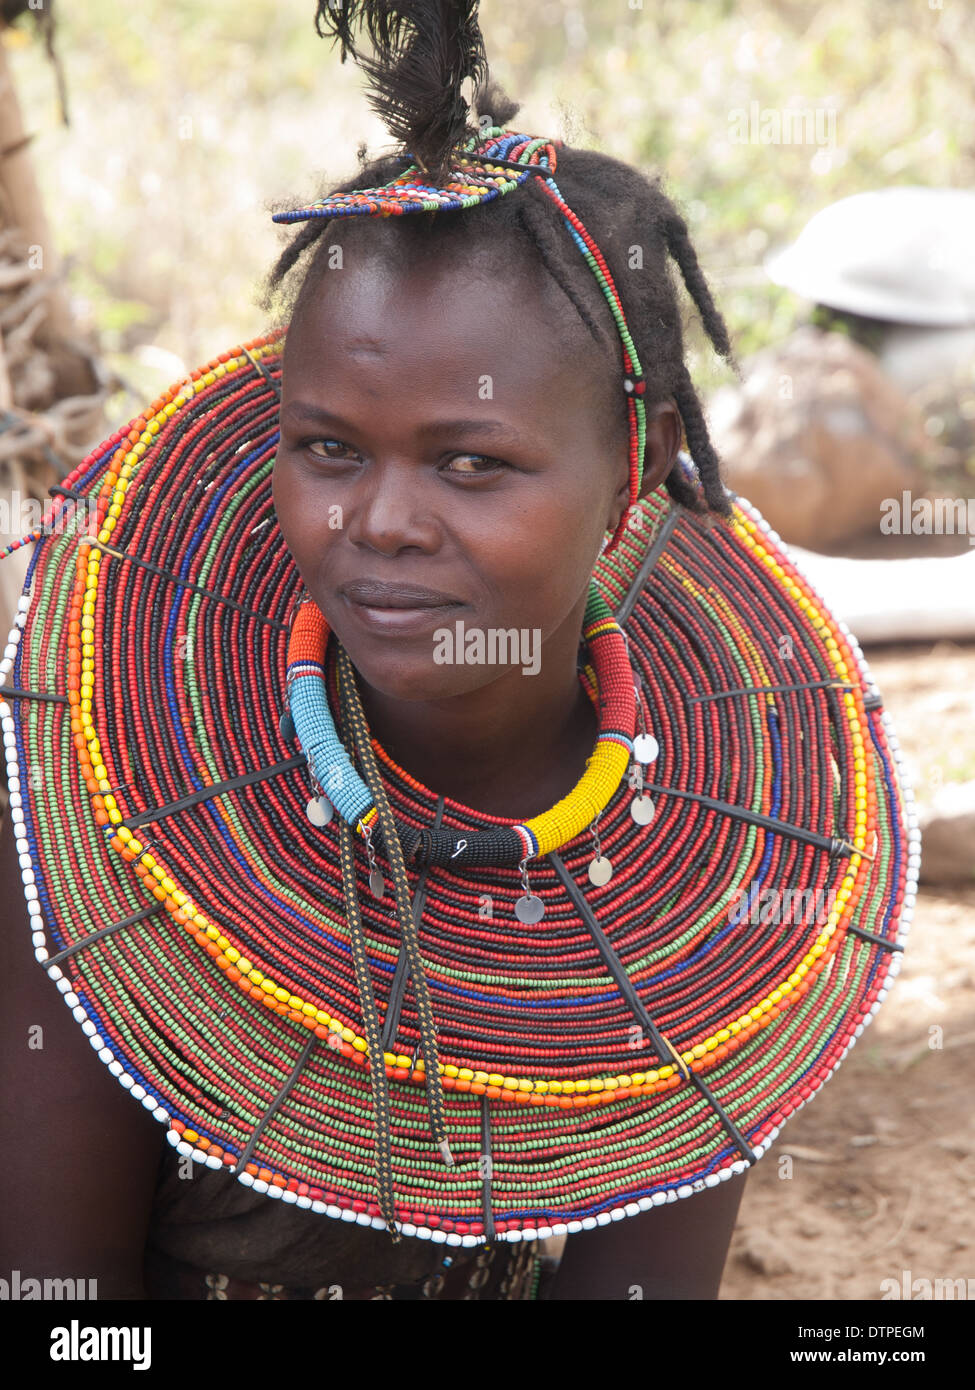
406, 620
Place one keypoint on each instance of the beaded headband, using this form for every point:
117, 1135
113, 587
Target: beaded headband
491, 165
647, 1038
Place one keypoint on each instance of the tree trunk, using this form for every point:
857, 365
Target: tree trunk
21, 206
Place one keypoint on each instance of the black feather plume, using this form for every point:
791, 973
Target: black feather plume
422, 53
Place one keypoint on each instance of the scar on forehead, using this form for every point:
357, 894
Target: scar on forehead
367, 347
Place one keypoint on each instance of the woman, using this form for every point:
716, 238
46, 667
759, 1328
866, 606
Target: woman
461, 450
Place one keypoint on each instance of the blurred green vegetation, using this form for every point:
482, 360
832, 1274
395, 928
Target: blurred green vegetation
187, 121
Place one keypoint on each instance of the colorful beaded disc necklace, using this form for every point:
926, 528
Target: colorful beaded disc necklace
229, 963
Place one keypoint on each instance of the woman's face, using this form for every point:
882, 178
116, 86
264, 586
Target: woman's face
434, 436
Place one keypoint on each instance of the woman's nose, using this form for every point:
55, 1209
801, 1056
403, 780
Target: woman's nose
388, 510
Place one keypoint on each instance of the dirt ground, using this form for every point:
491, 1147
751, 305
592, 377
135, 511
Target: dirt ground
883, 1159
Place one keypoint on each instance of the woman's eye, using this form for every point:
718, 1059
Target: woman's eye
489, 463
331, 448
471, 465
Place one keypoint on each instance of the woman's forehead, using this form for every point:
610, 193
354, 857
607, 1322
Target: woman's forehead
441, 321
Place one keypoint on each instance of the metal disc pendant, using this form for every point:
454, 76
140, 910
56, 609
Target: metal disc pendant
320, 810
286, 727
642, 810
377, 884
529, 909
645, 748
600, 871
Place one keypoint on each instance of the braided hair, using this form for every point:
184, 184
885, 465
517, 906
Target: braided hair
423, 53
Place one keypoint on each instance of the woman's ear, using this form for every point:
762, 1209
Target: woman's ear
665, 430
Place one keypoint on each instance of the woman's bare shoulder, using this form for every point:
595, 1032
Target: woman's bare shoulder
81, 1157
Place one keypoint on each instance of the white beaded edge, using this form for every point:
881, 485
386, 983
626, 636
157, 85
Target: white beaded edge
433, 1234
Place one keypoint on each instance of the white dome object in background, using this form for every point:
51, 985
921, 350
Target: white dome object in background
900, 254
